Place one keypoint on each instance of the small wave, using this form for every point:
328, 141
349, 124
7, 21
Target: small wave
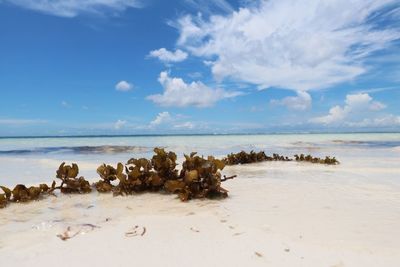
348, 142
78, 150
377, 144
397, 148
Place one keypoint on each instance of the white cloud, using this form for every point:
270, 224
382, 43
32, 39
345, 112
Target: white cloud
119, 124
287, 43
180, 94
300, 102
123, 86
162, 118
167, 56
73, 8
65, 104
355, 104
336, 114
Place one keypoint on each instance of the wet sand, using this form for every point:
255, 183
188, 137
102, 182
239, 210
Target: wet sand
277, 214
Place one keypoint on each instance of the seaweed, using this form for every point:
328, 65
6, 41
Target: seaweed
108, 173
252, 157
5, 197
199, 178
164, 164
245, 158
69, 181
138, 177
308, 158
21, 193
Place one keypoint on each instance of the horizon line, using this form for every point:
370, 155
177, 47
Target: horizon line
195, 134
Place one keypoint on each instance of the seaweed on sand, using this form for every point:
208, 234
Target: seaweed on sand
308, 158
148, 175
108, 173
164, 164
21, 193
199, 178
245, 158
138, 177
5, 197
69, 181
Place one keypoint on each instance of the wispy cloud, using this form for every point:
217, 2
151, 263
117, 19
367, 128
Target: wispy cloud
210, 6
161, 118
166, 120
178, 93
73, 8
289, 44
376, 90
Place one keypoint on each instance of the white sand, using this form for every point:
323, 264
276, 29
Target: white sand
278, 214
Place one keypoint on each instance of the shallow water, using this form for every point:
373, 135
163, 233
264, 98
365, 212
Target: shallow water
34, 160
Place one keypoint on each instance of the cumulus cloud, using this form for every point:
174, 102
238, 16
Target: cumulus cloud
355, 104
290, 44
167, 56
300, 102
119, 124
181, 94
123, 86
73, 8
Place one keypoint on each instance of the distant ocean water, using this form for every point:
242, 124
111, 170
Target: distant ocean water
34, 159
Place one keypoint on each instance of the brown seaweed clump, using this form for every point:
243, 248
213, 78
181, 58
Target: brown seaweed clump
138, 177
199, 178
21, 193
164, 164
4, 197
309, 158
108, 173
245, 158
69, 181
140, 174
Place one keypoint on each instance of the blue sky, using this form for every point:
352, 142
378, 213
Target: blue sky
198, 66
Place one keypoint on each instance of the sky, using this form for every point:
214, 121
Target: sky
117, 67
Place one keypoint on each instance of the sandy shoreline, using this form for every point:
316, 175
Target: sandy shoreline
278, 214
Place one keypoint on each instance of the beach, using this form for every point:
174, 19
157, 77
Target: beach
277, 213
